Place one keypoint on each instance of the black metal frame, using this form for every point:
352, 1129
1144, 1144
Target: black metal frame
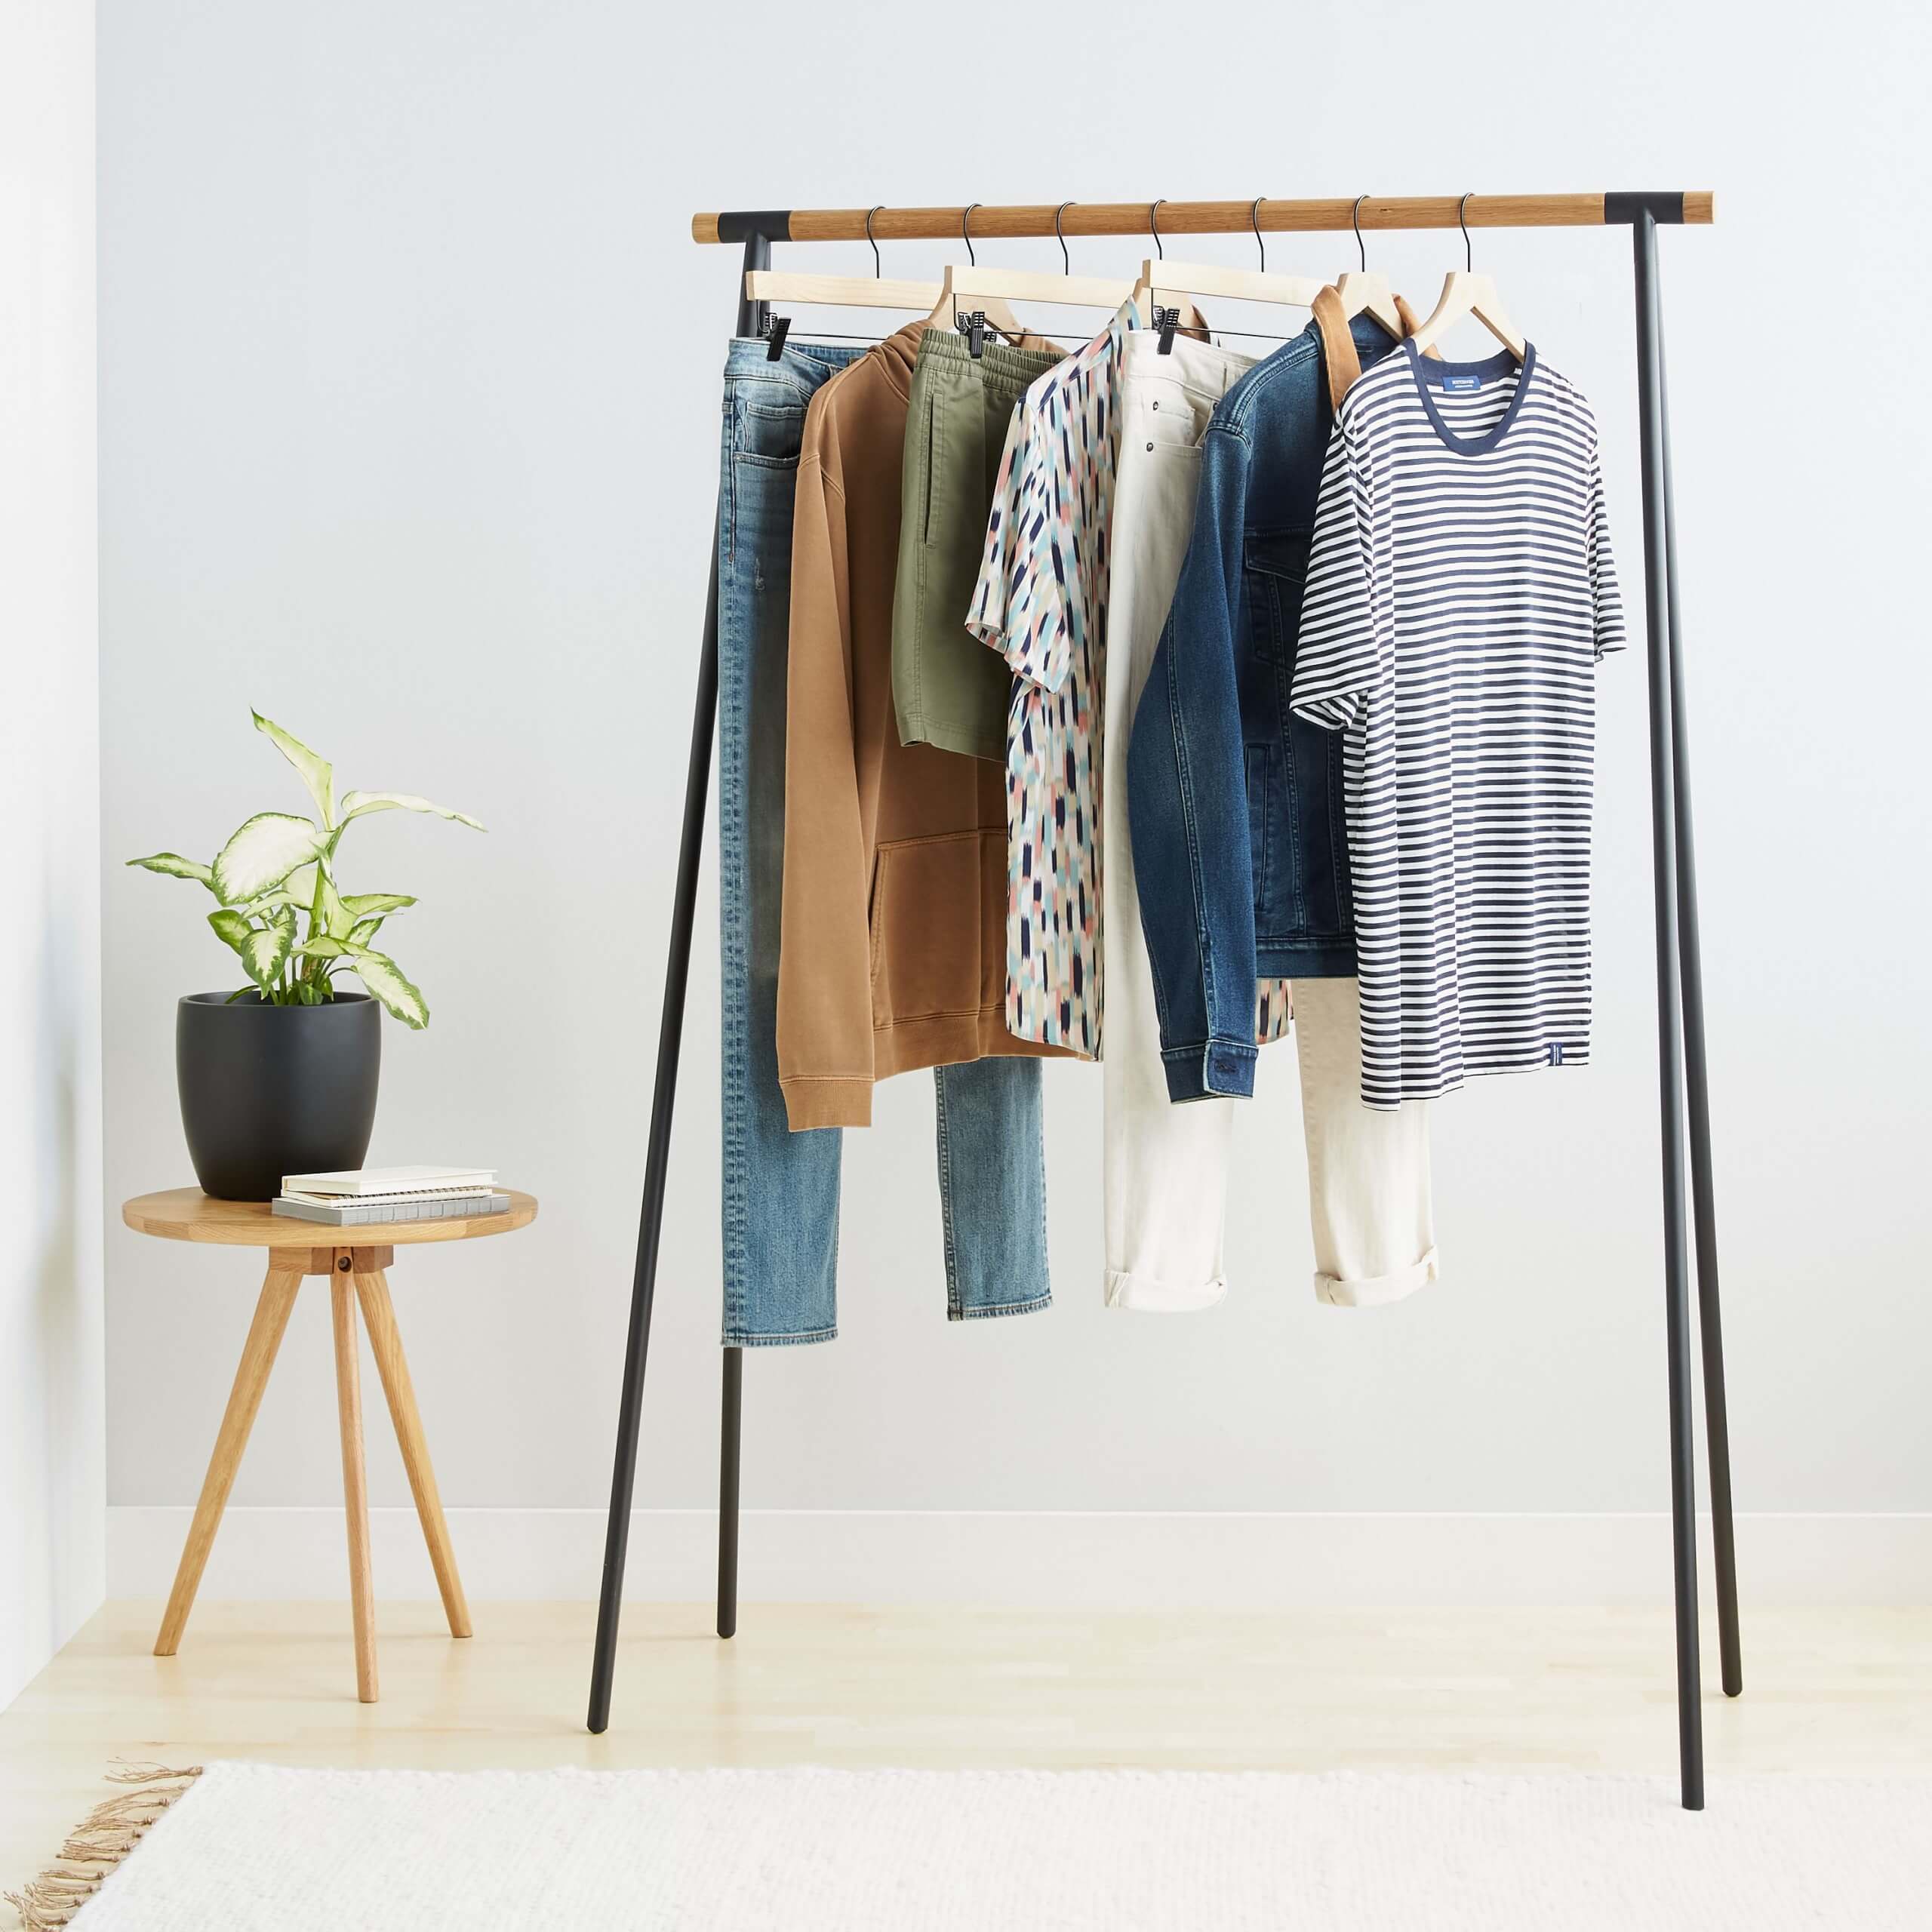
1683, 1076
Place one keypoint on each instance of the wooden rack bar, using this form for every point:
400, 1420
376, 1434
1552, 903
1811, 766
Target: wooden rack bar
1326, 214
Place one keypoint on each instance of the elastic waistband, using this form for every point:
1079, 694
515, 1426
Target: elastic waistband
1203, 367
999, 364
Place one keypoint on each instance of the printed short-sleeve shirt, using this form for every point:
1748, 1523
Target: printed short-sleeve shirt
1042, 602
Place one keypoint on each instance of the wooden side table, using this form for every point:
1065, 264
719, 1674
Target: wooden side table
356, 1275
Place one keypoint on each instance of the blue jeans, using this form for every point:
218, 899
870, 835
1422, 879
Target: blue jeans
781, 1189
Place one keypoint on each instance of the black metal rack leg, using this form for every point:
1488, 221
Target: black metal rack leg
663, 1101
1703, 1195
663, 1104
730, 1408
1670, 1055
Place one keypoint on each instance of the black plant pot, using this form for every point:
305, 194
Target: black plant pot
269, 1091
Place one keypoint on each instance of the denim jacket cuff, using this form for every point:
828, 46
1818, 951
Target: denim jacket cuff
1209, 1068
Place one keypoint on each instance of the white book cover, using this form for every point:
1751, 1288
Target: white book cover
357, 1181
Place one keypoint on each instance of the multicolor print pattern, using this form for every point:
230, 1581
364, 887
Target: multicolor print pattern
1274, 1010
1042, 602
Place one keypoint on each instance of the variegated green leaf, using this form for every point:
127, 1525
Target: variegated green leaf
377, 971
383, 978
175, 866
366, 929
376, 905
263, 853
326, 913
355, 803
263, 950
231, 926
317, 773
270, 902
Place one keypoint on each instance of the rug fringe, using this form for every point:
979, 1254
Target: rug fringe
99, 1843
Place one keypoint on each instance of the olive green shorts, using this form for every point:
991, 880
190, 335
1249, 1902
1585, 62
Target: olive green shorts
949, 688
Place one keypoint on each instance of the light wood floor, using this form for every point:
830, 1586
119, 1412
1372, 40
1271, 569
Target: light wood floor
1825, 1691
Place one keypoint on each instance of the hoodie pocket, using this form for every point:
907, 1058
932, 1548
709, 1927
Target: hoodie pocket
929, 920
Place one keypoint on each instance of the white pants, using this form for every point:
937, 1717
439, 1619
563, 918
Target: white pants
1166, 1166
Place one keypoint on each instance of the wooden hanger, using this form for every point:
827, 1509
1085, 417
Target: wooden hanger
838, 291
833, 291
974, 290
1364, 291
1465, 293
1162, 277
991, 311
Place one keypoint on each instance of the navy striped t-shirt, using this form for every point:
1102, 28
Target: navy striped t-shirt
1459, 594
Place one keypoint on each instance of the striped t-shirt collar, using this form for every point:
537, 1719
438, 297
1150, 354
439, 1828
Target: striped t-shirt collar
1429, 377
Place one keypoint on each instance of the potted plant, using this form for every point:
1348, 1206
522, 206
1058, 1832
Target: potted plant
280, 1077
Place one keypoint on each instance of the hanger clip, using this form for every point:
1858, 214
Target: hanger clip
1166, 321
774, 329
973, 326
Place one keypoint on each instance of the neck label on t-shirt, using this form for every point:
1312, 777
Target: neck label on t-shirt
1461, 385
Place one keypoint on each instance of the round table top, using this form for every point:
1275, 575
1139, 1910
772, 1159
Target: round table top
186, 1213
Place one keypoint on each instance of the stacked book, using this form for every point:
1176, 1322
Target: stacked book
370, 1196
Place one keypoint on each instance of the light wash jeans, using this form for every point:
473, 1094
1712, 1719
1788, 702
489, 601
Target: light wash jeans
781, 1189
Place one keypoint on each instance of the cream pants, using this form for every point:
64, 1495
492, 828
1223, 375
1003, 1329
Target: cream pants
1166, 1166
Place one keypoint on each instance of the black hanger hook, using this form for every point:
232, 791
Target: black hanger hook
1154, 227
966, 232
1066, 261
1469, 254
1254, 221
1355, 219
877, 272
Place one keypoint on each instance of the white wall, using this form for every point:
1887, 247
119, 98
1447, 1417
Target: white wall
409, 395
53, 1478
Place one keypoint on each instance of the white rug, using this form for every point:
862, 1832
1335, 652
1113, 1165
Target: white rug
254, 1846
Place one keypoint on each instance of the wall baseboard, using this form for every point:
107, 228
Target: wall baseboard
1071, 1560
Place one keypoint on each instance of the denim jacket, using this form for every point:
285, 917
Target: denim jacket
1235, 804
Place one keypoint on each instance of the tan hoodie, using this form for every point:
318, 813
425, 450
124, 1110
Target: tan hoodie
892, 946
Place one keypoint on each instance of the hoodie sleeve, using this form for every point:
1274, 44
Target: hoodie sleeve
825, 1020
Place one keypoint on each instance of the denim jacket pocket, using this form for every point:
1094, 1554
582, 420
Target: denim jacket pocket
1276, 561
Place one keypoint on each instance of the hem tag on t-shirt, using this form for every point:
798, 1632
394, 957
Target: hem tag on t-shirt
1555, 1054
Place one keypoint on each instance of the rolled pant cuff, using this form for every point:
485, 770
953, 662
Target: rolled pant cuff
1147, 1294
1373, 1292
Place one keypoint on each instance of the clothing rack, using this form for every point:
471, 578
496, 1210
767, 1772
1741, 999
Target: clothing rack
1683, 1090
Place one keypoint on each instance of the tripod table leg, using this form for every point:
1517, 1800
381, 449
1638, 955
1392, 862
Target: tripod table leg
372, 1289
251, 1377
